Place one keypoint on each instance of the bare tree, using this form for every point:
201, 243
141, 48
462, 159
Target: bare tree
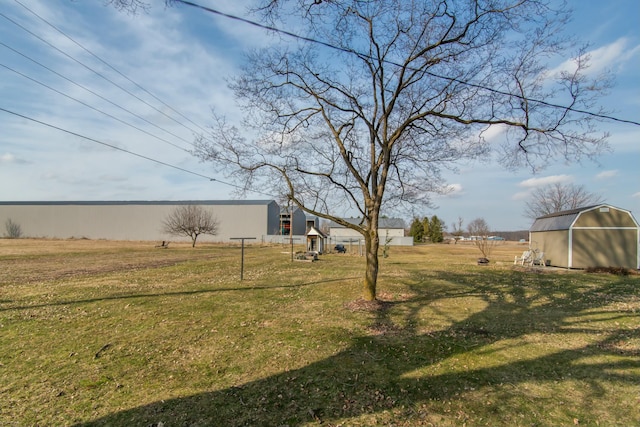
559, 197
404, 89
457, 230
191, 221
480, 232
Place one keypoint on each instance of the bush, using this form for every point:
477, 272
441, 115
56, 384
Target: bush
13, 229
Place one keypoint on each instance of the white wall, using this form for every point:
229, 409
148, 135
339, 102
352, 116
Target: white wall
132, 221
348, 232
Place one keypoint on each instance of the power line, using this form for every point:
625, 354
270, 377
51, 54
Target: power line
92, 70
92, 107
99, 96
362, 55
113, 68
49, 125
104, 143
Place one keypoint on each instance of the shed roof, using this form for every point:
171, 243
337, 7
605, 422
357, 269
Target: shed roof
561, 220
315, 232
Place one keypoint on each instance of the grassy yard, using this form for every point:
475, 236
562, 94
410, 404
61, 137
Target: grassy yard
96, 333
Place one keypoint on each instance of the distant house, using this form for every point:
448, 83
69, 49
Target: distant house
391, 229
592, 236
140, 220
291, 219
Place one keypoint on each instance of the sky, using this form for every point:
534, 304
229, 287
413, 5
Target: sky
97, 104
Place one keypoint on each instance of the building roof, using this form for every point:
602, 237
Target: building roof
141, 202
382, 223
560, 220
315, 232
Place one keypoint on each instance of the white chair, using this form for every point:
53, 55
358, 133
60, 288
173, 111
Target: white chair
538, 259
526, 257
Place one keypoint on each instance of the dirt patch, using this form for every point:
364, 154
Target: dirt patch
367, 306
82, 259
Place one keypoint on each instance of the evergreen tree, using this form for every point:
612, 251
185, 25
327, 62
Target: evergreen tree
427, 226
417, 230
436, 233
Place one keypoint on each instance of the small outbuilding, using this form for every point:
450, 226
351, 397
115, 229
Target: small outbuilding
592, 236
315, 240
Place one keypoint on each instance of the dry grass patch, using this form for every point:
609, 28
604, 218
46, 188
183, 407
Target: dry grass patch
121, 333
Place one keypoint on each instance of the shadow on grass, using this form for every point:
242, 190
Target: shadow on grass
167, 294
397, 375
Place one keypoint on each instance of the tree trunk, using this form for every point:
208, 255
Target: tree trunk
372, 243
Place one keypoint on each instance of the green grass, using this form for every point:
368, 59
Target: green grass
120, 333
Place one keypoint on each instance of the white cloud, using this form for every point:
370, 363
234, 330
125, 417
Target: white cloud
8, 158
636, 195
494, 132
607, 174
521, 195
542, 181
454, 190
625, 140
611, 56
532, 183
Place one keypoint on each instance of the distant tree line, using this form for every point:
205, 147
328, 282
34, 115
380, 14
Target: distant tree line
433, 230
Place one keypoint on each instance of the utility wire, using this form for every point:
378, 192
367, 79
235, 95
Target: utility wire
362, 55
99, 96
114, 69
49, 125
92, 70
104, 143
92, 107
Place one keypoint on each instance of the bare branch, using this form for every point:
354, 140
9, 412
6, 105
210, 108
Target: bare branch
408, 90
559, 197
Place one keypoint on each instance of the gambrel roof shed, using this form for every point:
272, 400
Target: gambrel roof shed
592, 236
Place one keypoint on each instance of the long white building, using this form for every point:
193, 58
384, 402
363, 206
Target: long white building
390, 230
141, 220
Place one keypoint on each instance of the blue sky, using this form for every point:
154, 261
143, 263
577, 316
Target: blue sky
182, 56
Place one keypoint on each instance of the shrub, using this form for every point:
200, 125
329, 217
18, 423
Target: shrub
13, 229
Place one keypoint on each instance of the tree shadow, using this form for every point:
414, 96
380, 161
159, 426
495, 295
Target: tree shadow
135, 295
397, 368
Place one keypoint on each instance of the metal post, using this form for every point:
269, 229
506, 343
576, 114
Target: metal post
291, 228
242, 253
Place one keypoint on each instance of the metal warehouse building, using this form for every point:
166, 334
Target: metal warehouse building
593, 236
140, 220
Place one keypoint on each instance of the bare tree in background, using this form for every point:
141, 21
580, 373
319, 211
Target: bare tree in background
191, 221
457, 230
479, 229
406, 88
559, 197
